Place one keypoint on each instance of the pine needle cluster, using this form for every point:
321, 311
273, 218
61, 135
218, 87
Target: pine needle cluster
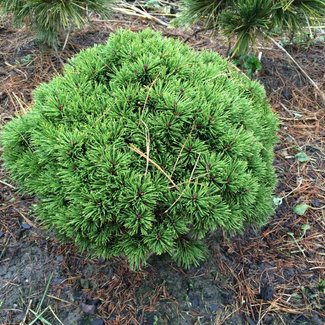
49, 18
144, 146
249, 19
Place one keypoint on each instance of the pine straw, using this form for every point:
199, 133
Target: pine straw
251, 260
272, 255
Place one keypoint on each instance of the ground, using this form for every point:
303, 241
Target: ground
274, 275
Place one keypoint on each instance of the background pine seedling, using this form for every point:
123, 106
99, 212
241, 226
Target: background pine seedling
144, 146
246, 20
49, 18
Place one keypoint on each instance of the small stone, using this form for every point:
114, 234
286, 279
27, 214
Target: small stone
267, 292
213, 308
59, 258
25, 226
315, 203
97, 322
88, 309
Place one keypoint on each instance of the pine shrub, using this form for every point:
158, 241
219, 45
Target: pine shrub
49, 18
248, 19
144, 146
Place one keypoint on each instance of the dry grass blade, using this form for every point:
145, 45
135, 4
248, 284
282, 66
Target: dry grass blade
142, 154
189, 181
55, 316
7, 184
145, 125
39, 306
39, 316
27, 311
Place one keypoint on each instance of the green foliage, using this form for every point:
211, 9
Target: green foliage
49, 18
144, 146
249, 63
300, 209
302, 157
204, 9
248, 19
294, 15
321, 286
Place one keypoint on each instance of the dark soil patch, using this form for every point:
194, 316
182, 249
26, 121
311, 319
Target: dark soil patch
259, 277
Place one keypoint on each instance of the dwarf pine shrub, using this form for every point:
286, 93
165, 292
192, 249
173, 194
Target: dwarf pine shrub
144, 146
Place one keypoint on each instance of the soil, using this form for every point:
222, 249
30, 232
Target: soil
266, 276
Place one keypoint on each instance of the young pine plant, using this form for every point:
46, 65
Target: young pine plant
246, 20
50, 18
144, 146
